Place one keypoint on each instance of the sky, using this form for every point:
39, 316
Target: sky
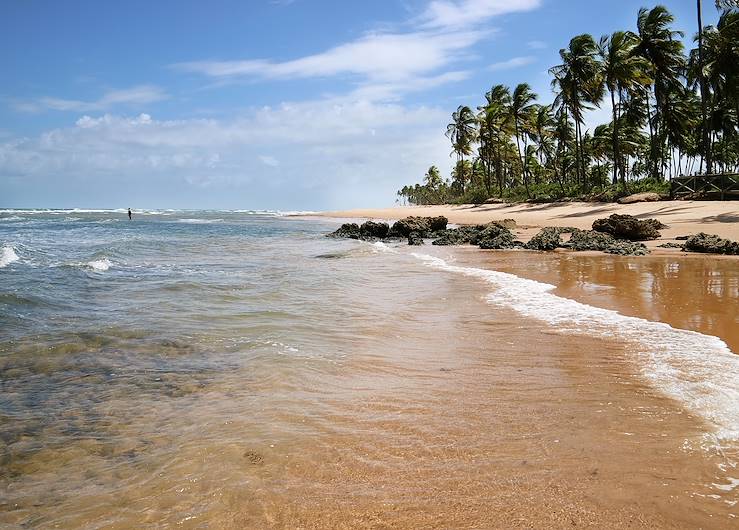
263, 104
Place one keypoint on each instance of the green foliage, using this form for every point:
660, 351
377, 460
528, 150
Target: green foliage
672, 114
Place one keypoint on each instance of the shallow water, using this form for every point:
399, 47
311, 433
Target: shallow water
221, 369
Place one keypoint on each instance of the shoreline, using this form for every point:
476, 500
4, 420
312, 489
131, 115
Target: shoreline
682, 217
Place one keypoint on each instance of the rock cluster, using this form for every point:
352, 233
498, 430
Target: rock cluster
549, 238
629, 227
423, 226
712, 244
617, 234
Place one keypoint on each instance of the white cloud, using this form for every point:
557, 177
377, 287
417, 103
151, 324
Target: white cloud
378, 57
134, 96
537, 45
336, 153
510, 64
457, 14
269, 161
386, 65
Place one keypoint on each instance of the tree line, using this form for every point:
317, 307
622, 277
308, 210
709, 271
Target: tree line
673, 113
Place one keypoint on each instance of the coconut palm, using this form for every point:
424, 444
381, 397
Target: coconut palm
520, 111
579, 84
622, 72
462, 132
662, 47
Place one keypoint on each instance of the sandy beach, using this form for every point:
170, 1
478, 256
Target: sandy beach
682, 217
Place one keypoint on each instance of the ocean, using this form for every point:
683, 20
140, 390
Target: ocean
239, 369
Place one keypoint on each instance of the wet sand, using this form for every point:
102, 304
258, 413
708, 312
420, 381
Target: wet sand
427, 408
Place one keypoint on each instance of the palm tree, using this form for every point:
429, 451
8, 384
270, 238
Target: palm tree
494, 121
520, 111
462, 132
622, 72
579, 83
662, 47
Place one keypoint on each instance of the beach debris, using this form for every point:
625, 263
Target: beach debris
422, 225
629, 227
254, 458
711, 244
641, 197
415, 239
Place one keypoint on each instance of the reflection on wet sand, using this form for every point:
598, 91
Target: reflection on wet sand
400, 400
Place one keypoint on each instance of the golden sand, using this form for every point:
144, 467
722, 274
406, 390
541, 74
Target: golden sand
682, 217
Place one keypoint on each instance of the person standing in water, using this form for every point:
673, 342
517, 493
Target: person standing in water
129, 214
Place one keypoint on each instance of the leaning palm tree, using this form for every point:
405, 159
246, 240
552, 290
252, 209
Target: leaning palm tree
579, 83
462, 132
622, 73
520, 111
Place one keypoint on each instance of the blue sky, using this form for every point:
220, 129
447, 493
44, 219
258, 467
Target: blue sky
284, 104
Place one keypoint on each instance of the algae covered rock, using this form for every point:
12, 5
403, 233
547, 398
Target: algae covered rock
627, 248
457, 236
372, 229
549, 238
347, 230
628, 227
504, 240
423, 225
711, 244
582, 240
415, 239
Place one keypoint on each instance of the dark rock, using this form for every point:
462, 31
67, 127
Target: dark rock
347, 230
415, 239
589, 240
456, 236
711, 244
670, 245
549, 238
628, 227
423, 225
682, 238
627, 248
489, 232
491, 240
372, 229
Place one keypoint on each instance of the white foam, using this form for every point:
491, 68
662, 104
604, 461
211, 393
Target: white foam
12, 218
99, 265
7, 256
200, 221
699, 370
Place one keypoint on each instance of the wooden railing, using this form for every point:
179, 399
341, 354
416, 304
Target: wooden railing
722, 186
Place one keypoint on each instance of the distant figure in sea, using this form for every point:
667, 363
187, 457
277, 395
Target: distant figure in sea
129, 214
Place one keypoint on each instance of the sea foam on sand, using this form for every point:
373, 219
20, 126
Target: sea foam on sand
699, 370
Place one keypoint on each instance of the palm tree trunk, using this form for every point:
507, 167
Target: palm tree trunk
704, 94
523, 167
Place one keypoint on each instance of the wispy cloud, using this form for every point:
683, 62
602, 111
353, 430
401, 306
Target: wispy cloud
385, 64
134, 96
537, 45
510, 64
462, 13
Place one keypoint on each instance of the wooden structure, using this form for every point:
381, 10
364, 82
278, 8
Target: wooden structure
724, 186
